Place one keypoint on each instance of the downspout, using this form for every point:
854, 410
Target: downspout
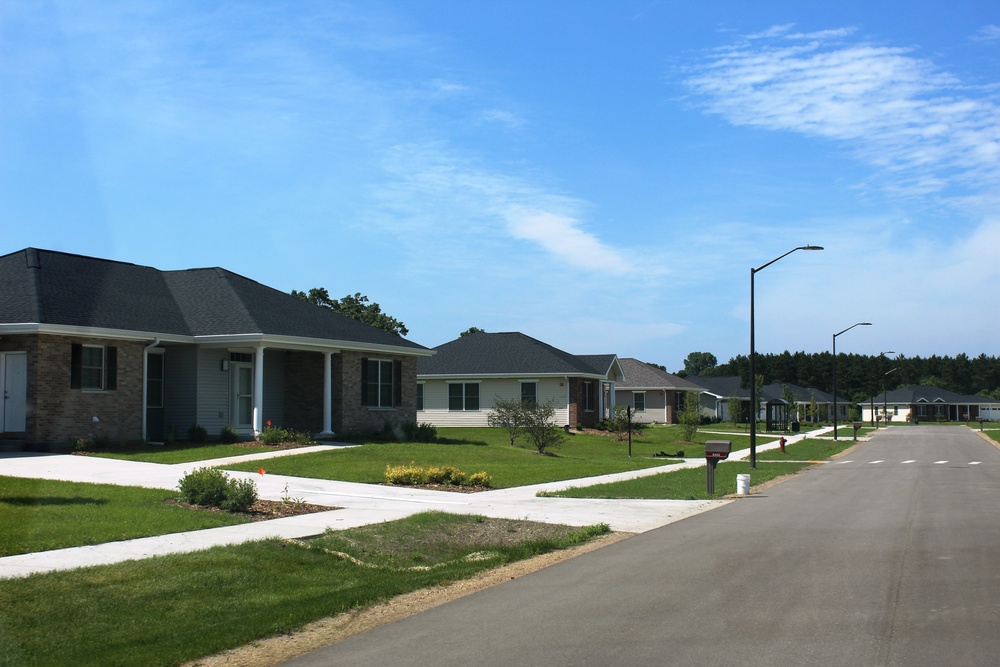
145, 382
569, 415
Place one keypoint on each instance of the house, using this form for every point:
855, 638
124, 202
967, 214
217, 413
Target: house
717, 392
804, 400
459, 384
654, 395
92, 347
930, 404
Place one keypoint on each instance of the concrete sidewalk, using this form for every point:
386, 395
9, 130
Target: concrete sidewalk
359, 504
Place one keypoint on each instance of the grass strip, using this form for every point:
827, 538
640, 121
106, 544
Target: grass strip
686, 484
181, 453
807, 450
39, 515
481, 449
178, 608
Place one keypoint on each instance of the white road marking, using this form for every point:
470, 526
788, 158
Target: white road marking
879, 461
910, 461
937, 463
974, 463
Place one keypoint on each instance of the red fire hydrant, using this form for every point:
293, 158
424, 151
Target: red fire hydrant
781, 443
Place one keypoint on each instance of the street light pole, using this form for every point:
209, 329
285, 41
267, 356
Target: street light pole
859, 324
754, 408
881, 355
885, 397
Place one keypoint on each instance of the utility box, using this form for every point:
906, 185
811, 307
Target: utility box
718, 449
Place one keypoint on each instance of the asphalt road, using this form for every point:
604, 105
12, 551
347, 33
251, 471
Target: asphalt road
887, 556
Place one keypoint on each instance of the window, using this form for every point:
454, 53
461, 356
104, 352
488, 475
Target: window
420, 397
529, 393
381, 383
639, 398
588, 396
463, 396
93, 367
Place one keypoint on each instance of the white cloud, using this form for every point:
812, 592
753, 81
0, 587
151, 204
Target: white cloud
919, 126
989, 33
507, 118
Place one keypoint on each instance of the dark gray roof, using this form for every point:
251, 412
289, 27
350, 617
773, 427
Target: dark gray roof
56, 288
729, 385
481, 354
640, 375
803, 395
601, 363
915, 394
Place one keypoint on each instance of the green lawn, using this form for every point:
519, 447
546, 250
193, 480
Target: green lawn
483, 449
178, 608
39, 515
181, 453
687, 484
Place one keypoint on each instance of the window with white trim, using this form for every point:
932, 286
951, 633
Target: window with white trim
639, 401
381, 383
529, 393
588, 396
463, 396
93, 367
420, 396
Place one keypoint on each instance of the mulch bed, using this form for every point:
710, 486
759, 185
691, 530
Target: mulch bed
263, 510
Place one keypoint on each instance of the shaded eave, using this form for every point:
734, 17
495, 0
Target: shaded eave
225, 340
506, 376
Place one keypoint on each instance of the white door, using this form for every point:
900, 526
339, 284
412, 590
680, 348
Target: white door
15, 391
242, 393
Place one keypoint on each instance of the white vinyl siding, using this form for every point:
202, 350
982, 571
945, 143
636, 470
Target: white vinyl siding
436, 410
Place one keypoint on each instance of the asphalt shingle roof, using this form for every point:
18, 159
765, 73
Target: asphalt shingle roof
48, 287
640, 375
506, 354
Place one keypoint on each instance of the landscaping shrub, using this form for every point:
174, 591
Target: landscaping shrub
407, 475
413, 475
275, 435
197, 433
241, 494
415, 432
480, 479
204, 486
213, 488
228, 435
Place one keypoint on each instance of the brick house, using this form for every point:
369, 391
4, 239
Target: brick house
457, 386
91, 347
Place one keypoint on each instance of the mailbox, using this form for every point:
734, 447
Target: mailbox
718, 449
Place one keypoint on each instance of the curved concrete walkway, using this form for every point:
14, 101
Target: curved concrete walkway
358, 504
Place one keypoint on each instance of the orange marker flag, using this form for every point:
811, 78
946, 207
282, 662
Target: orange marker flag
261, 471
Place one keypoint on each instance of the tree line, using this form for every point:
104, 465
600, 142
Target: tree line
860, 376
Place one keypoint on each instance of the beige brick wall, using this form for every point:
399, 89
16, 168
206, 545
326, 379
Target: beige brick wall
349, 415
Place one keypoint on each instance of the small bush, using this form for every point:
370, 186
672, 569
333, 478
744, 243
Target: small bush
197, 433
482, 479
81, 445
406, 475
415, 432
228, 435
275, 435
204, 486
241, 494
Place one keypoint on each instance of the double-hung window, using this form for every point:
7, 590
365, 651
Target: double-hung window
381, 383
529, 394
463, 396
93, 367
639, 398
588, 396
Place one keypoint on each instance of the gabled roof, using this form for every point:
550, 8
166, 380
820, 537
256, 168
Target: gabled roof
802, 394
640, 376
727, 386
508, 354
44, 290
914, 394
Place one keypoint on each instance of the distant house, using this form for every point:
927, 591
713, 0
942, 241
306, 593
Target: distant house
459, 384
91, 347
772, 409
921, 403
654, 395
804, 400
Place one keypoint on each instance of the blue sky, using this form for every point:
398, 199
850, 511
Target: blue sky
599, 175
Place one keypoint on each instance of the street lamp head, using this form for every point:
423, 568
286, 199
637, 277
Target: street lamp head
810, 247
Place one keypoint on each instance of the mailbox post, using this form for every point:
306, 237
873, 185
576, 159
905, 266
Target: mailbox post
857, 427
715, 451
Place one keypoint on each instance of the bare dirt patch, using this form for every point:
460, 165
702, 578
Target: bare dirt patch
274, 650
263, 510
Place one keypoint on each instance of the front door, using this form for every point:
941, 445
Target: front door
242, 393
14, 387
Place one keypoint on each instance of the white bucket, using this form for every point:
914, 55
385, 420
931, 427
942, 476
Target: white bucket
742, 485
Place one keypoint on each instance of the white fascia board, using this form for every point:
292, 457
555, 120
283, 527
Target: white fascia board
91, 332
309, 344
504, 376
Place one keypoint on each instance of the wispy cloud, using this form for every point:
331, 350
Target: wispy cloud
448, 199
989, 33
502, 117
925, 131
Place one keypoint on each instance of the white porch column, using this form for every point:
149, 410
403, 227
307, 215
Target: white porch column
258, 391
327, 396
